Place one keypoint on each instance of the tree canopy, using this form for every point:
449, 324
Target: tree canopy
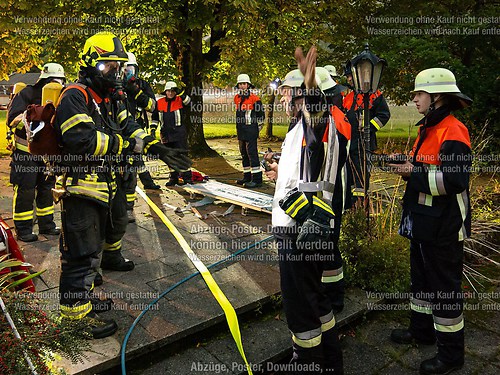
211, 41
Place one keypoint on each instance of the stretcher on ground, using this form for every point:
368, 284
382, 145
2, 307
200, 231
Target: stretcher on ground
245, 198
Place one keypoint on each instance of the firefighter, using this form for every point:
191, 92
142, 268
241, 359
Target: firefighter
173, 131
338, 91
249, 117
437, 218
140, 101
302, 219
97, 135
28, 173
333, 275
379, 116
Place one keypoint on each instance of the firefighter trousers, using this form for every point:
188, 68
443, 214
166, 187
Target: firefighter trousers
250, 159
30, 182
333, 274
117, 223
437, 302
80, 244
309, 315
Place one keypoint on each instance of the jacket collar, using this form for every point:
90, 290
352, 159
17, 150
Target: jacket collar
434, 117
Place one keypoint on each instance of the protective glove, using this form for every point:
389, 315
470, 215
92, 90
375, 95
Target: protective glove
132, 88
152, 132
316, 228
295, 205
176, 159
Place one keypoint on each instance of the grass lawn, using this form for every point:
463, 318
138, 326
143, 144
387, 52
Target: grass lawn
400, 126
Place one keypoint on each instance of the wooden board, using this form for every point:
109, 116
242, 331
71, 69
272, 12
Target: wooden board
239, 196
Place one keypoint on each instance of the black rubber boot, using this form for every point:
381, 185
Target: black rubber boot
27, 237
436, 366
51, 231
174, 179
256, 181
100, 328
247, 177
187, 177
114, 261
148, 182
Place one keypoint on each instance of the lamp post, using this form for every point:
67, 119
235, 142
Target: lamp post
366, 72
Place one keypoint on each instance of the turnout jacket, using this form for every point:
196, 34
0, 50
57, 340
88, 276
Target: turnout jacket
379, 116
313, 170
436, 204
28, 95
172, 115
144, 101
94, 135
249, 114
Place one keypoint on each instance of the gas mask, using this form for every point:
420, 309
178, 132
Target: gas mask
110, 79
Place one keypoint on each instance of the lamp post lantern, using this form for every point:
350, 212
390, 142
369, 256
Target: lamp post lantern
366, 72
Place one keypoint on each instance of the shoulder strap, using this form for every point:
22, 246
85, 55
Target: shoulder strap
79, 86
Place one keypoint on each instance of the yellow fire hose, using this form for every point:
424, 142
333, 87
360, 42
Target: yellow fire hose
231, 317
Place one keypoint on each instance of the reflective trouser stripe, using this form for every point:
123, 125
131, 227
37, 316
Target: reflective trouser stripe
256, 170
131, 197
307, 339
420, 306
21, 147
113, 246
327, 321
357, 192
45, 211
20, 216
448, 325
76, 312
247, 169
332, 276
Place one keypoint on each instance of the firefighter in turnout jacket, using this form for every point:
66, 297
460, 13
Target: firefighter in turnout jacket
28, 172
173, 132
379, 116
436, 218
302, 219
140, 101
97, 135
249, 116
333, 275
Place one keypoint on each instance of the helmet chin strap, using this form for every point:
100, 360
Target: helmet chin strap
432, 106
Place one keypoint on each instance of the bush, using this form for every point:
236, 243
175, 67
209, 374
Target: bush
44, 336
377, 261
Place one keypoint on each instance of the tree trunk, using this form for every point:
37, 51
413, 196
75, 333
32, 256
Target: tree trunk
191, 64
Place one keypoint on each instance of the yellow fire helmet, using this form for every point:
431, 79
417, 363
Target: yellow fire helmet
103, 46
